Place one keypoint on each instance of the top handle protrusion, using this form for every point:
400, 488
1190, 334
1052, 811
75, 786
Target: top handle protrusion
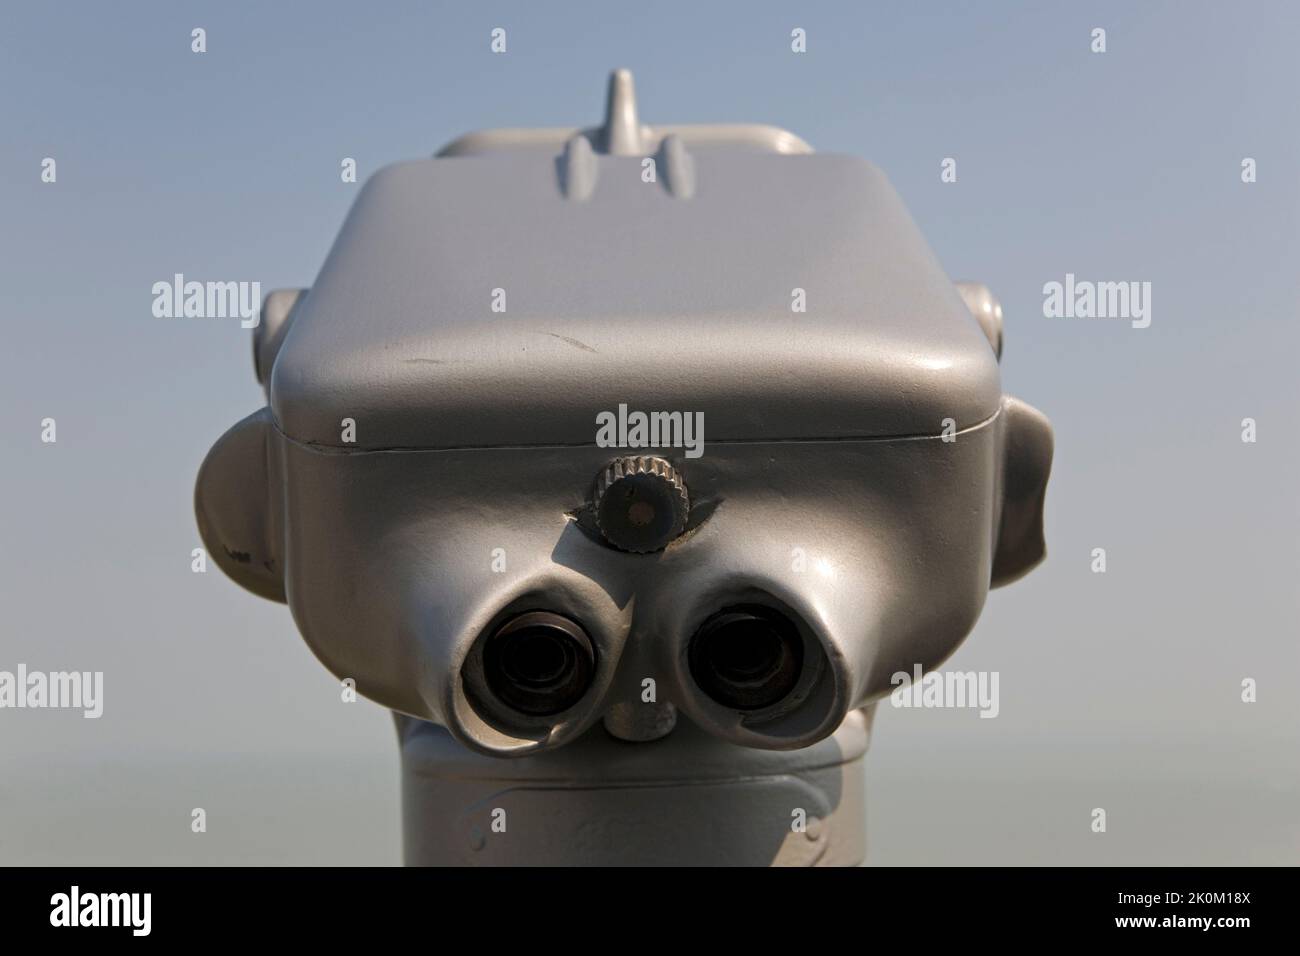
621, 133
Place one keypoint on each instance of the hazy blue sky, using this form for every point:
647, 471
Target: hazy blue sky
1118, 690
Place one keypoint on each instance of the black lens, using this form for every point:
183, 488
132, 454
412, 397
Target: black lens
747, 657
539, 663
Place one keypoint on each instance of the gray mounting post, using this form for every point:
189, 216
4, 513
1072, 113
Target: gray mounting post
627, 465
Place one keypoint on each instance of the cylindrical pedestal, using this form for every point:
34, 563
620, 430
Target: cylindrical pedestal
686, 799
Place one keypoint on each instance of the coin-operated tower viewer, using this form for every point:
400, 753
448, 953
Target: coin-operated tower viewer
627, 465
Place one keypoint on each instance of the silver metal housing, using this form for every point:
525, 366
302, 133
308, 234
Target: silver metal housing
425, 465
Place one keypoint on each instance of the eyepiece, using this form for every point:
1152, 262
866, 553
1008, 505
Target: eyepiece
539, 663
748, 657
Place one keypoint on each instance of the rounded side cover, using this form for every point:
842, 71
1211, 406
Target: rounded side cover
235, 501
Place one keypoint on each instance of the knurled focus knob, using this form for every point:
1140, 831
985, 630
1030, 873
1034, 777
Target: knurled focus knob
640, 504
